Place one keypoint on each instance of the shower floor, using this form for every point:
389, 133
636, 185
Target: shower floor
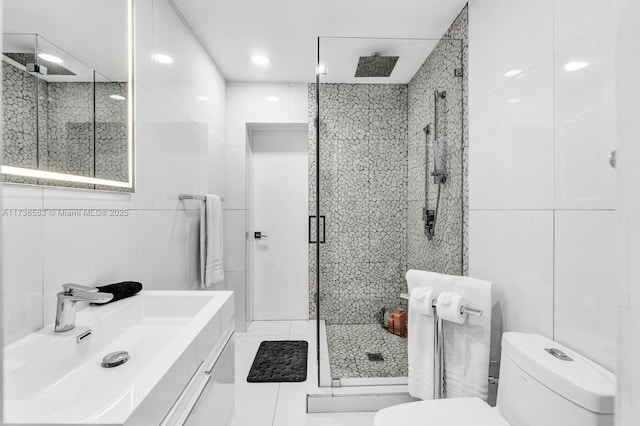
348, 347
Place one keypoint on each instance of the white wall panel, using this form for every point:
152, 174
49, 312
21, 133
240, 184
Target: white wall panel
506, 35
585, 278
585, 121
511, 144
514, 250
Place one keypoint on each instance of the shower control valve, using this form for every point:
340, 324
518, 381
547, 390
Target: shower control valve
429, 217
439, 176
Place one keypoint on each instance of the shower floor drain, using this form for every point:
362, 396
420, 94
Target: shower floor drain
375, 357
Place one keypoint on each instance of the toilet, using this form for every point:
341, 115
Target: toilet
542, 383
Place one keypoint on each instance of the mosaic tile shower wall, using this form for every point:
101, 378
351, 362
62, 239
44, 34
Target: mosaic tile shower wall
364, 197
64, 140
447, 251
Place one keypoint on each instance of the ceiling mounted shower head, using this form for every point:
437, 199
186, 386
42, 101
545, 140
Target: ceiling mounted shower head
376, 65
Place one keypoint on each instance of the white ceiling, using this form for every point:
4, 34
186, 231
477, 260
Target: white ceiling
287, 30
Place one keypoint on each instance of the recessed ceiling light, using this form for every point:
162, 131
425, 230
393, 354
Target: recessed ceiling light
202, 98
260, 60
512, 73
575, 65
50, 58
162, 58
273, 98
514, 100
117, 97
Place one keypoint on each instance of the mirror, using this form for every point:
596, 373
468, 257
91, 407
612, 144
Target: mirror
67, 93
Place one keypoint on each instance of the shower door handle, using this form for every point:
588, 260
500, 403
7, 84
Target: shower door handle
323, 218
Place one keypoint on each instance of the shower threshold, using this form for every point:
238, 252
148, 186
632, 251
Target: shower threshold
351, 394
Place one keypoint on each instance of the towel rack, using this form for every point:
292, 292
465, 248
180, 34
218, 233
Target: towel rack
463, 309
193, 197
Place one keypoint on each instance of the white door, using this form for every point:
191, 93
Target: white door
280, 205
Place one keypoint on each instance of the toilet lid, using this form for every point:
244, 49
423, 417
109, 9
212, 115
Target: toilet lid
441, 412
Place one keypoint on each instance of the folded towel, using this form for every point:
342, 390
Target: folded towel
427, 279
466, 354
211, 245
121, 290
466, 346
420, 343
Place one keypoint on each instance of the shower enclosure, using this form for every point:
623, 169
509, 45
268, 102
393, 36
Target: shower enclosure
372, 168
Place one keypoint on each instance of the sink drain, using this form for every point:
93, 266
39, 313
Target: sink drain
115, 359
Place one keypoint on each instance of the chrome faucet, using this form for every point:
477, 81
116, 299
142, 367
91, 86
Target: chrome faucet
67, 298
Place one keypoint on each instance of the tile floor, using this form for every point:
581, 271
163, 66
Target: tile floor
350, 343
281, 404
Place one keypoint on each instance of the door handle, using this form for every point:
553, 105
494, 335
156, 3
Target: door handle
323, 240
259, 235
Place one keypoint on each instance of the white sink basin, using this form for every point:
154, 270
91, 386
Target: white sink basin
50, 378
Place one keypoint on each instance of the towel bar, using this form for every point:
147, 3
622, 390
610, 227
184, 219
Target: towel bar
193, 197
463, 309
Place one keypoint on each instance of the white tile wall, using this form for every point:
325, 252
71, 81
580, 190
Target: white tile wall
574, 18
511, 155
247, 103
235, 239
236, 282
235, 178
585, 121
179, 148
175, 249
628, 235
514, 250
538, 151
215, 167
585, 277
65, 257
113, 242
506, 35
22, 271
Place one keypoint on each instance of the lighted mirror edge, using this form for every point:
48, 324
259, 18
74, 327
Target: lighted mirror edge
130, 92
42, 174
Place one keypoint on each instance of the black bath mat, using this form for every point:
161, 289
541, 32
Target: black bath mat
280, 361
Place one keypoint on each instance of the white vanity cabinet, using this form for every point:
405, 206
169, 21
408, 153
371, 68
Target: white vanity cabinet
208, 398
215, 405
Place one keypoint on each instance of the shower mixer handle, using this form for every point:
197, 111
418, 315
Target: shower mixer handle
439, 176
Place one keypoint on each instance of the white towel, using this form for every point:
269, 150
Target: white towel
211, 244
466, 346
420, 343
428, 279
466, 355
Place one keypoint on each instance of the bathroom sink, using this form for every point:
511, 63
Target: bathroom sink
57, 378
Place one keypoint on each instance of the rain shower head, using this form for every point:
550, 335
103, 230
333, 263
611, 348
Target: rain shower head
376, 65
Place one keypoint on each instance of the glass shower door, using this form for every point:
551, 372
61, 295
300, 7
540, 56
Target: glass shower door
367, 184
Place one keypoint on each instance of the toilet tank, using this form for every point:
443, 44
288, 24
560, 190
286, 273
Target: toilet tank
538, 388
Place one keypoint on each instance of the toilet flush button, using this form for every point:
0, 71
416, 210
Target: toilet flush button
558, 354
